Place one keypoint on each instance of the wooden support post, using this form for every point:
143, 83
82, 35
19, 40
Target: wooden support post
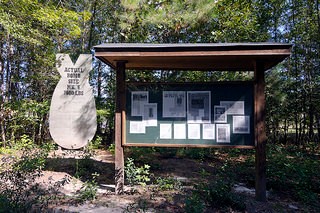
260, 132
120, 126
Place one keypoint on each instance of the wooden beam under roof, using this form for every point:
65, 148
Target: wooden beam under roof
213, 57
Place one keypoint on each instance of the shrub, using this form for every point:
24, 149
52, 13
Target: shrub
18, 190
137, 175
194, 204
112, 148
167, 183
89, 189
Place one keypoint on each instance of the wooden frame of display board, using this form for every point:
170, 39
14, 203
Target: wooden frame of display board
257, 57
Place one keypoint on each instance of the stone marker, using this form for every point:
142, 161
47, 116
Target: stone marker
72, 118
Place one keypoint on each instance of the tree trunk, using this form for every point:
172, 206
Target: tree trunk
311, 120
318, 128
3, 133
285, 131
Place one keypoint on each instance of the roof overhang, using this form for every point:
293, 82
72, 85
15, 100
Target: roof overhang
197, 56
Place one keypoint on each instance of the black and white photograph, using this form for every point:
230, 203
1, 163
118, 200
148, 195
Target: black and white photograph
208, 131
150, 114
241, 124
198, 107
174, 104
233, 107
220, 115
138, 100
223, 133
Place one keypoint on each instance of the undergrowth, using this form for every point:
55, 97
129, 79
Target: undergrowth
295, 170
19, 190
291, 170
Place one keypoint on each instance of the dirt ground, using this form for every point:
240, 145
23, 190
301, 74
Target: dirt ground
149, 198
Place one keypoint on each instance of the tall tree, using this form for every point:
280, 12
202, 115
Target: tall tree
31, 32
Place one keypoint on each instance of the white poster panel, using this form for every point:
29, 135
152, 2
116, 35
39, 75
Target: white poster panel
223, 133
233, 107
138, 100
220, 115
150, 114
179, 131
137, 127
198, 106
241, 124
166, 131
194, 131
208, 131
174, 104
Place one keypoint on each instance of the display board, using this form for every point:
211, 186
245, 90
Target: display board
190, 114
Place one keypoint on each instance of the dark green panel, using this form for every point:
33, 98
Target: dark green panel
242, 91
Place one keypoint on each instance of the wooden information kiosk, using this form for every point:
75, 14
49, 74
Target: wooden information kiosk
203, 114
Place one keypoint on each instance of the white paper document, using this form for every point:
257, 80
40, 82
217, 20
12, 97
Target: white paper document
138, 100
198, 106
194, 131
137, 127
179, 131
208, 131
166, 131
174, 104
233, 107
223, 133
241, 124
220, 115
150, 114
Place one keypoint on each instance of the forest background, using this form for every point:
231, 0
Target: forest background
33, 31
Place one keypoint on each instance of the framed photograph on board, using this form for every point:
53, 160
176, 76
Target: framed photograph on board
198, 107
223, 133
220, 115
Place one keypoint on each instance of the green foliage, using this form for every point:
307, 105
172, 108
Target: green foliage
290, 169
112, 148
167, 183
18, 190
168, 152
24, 143
25, 120
31, 32
49, 146
34, 22
216, 194
294, 170
4, 150
194, 204
190, 21
141, 155
137, 175
89, 189
197, 153
83, 165
95, 143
